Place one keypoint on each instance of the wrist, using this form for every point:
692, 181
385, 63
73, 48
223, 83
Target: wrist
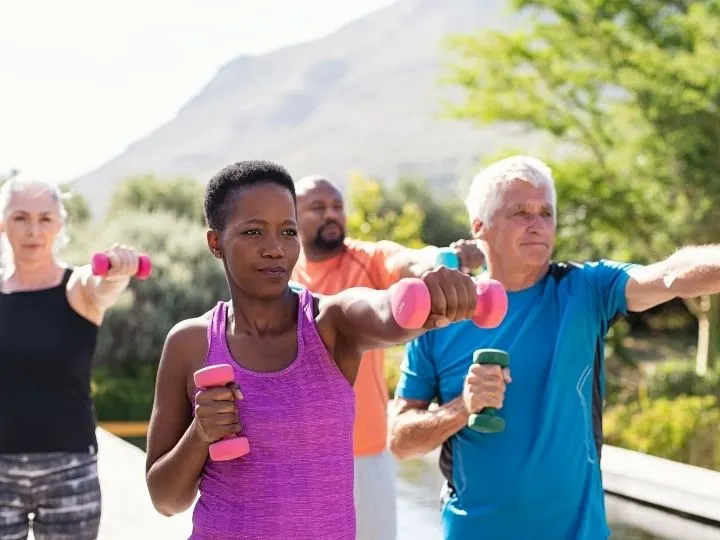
460, 408
196, 434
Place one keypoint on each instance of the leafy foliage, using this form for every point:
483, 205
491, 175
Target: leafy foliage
627, 96
182, 197
407, 213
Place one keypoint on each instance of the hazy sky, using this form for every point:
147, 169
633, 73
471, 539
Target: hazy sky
81, 79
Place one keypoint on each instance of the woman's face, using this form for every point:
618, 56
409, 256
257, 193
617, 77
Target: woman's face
32, 223
260, 242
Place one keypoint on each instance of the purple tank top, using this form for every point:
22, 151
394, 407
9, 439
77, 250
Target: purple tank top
297, 480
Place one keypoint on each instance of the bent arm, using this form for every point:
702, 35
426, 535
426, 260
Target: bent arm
175, 452
690, 272
415, 430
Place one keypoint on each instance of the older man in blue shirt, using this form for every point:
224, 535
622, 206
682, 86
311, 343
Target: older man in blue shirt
539, 478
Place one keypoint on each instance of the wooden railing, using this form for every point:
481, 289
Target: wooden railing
126, 429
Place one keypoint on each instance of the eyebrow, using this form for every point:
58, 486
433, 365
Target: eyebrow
44, 213
259, 221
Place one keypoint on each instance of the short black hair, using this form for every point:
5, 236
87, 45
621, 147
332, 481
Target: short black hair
237, 176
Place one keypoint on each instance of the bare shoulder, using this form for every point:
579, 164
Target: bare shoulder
189, 338
324, 308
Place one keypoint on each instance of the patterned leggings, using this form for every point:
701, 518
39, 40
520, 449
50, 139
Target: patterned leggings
61, 490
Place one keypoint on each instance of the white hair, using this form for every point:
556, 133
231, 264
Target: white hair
485, 190
20, 183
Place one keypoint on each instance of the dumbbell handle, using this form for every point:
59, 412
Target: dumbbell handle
100, 264
411, 303
487, 420
231, 446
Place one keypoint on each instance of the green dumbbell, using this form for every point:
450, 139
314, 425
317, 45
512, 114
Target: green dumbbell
487, 421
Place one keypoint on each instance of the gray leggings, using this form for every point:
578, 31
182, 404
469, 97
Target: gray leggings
60, 489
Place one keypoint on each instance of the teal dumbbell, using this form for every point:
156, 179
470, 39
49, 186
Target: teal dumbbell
447, 257
487, 420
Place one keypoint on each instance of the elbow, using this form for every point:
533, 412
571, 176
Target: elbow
397, 449
166, 502
397, 444
169, 506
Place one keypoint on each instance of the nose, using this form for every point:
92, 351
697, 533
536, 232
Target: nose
536, 224
272, 248
34, 228
332, 213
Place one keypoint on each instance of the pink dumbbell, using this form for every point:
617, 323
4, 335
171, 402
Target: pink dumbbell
101, 264
411, 303
230, 447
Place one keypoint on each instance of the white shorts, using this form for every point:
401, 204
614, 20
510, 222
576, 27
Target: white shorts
375, 505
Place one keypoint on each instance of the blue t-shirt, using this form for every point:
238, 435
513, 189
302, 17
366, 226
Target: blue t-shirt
540, 478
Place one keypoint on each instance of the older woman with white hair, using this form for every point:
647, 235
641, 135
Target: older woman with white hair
49, 319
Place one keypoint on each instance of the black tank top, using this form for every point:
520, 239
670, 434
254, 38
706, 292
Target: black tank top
46, 351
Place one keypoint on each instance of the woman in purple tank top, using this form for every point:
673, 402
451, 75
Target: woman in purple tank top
294, 357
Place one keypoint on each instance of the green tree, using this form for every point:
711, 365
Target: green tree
627, 94
444, 219
182, 197
406, 212
77, 208
372, 218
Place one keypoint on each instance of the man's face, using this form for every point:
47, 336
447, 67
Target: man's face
522, 227
321, 217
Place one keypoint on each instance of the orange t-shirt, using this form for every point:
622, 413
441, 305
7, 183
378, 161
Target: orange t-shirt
361, 264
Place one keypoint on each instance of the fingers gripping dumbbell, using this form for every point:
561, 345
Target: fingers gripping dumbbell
233, 446
487, 420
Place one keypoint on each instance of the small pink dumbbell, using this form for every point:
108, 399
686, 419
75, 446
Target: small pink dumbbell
411, 303
230, 447
101, 264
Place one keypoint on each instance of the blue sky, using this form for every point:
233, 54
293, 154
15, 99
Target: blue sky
81, 79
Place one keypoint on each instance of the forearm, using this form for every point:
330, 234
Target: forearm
415, 432
107, 292
103, 292
364, 316
693, 271
414, 262
173, 479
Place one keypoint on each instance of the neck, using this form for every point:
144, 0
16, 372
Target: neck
34, 273
256, 316
315, 254
513, 277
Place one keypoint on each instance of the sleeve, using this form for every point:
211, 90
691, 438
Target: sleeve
378, 258
418, 376
608, 280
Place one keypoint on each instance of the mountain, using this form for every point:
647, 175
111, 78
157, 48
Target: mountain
365, 98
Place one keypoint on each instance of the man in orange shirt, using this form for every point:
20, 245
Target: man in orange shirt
328, 264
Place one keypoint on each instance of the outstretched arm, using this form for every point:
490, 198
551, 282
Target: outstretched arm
403, 262
101, 293
362, 318
690, 272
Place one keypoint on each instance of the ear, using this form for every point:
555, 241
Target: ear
213, 241
478, 229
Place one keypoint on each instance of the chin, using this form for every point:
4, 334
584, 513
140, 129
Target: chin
270, 291
536, 257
